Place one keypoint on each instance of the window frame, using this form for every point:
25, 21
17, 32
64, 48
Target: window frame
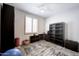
26, 33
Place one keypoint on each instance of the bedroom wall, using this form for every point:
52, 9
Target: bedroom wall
19, 24
71, 19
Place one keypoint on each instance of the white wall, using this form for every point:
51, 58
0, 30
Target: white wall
19, 24
71, 18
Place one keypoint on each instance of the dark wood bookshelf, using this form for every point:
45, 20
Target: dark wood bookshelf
56, 33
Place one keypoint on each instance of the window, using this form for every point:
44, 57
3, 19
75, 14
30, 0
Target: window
31, 25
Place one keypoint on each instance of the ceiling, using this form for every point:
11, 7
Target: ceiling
46, 9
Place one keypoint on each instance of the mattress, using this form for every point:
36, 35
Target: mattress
45, 48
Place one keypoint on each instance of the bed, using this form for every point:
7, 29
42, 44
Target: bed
45, 48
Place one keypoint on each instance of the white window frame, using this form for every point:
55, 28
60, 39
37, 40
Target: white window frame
32, 28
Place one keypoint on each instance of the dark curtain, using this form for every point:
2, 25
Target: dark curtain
7, 27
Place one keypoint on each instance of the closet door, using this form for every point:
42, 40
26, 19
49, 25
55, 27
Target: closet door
7, 27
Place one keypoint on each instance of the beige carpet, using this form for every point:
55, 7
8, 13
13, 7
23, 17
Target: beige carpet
44, 48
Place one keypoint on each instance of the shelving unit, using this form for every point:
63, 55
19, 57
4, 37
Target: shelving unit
56, 33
